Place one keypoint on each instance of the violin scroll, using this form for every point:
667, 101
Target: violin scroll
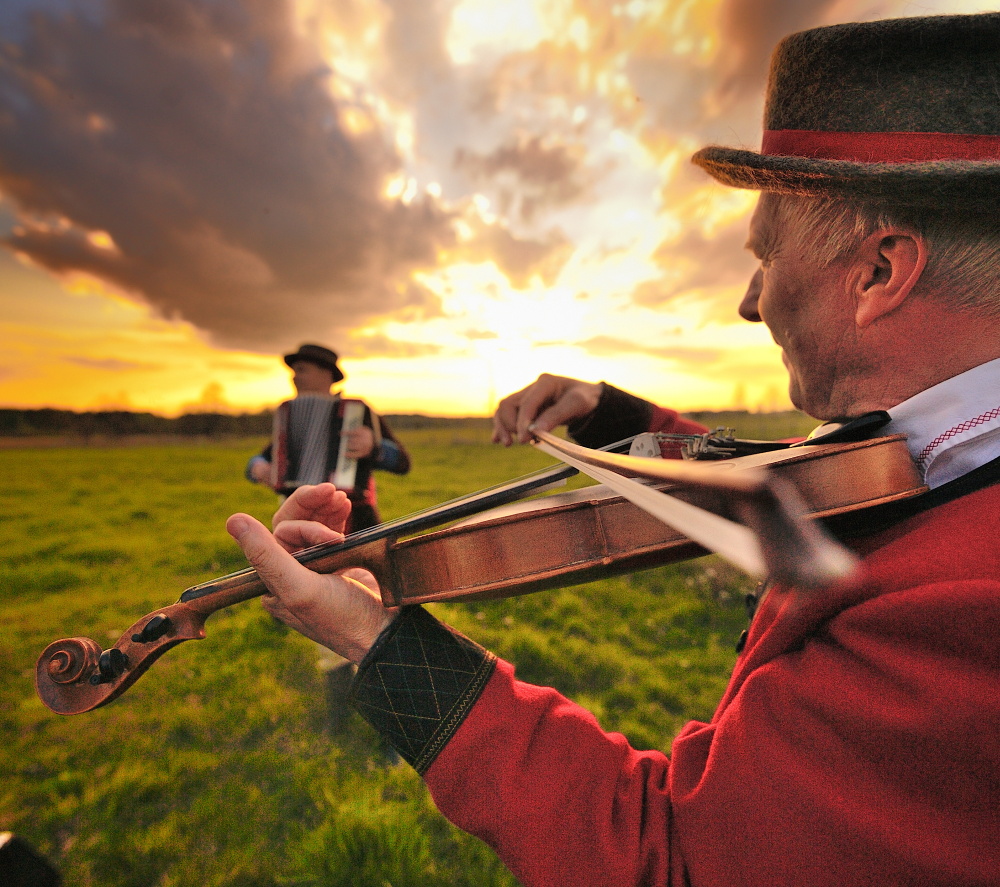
75, 675
70, 660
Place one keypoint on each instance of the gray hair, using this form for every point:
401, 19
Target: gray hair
963, 264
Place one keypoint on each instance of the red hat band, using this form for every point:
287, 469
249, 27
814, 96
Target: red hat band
880, 147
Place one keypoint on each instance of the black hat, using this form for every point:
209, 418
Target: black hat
318, 355
901, 109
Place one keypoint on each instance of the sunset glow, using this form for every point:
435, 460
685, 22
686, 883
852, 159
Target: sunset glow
456, 197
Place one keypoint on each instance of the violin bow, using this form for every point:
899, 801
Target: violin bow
76, 675
770, 538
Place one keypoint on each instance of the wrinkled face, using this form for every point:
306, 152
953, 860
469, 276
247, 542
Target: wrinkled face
310, 378
809, 311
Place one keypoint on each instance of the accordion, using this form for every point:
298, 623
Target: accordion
309, 442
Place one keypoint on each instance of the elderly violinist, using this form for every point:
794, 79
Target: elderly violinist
858, 741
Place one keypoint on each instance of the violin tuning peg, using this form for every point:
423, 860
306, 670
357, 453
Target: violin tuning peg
112, 663
153, 630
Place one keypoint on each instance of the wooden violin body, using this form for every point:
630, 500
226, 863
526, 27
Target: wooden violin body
590, 533
555, 541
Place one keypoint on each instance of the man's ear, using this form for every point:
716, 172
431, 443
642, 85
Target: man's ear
889, 264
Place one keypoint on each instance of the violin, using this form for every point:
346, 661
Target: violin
515, 548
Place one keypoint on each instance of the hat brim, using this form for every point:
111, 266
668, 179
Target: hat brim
973, 182
338, 376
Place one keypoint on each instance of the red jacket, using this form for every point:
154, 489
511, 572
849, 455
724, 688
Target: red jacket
858, 742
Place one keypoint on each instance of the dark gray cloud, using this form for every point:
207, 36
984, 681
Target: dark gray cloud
519, 259
204, 139
749, 31
532, 171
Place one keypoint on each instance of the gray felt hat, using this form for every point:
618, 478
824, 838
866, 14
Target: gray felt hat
902, 109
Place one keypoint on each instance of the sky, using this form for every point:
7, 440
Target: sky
455, 195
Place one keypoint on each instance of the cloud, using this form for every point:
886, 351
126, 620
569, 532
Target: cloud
481, 335
209, 159
519, 258
749, 32
720, 103
205, 142
110, 364
609, 346
378, 345
533, 172
706, 266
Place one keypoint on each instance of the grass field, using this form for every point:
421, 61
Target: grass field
217, 767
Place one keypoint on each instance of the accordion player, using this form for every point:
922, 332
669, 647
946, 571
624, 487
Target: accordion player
308, 446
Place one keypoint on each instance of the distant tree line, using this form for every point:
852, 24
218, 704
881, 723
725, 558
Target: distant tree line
123, 423
16, 423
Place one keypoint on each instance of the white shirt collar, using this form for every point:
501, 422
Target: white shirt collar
953, 427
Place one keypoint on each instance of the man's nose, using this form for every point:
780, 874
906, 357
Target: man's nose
748, 307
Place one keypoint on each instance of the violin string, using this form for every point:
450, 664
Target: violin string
435, 516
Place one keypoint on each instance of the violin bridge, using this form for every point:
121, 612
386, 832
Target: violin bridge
720, 443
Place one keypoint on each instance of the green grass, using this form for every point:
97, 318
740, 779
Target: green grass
217, 767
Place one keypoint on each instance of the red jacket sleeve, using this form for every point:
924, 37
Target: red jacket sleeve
561, 802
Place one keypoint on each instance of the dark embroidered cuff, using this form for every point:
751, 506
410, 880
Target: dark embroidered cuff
418, 683
618, 415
